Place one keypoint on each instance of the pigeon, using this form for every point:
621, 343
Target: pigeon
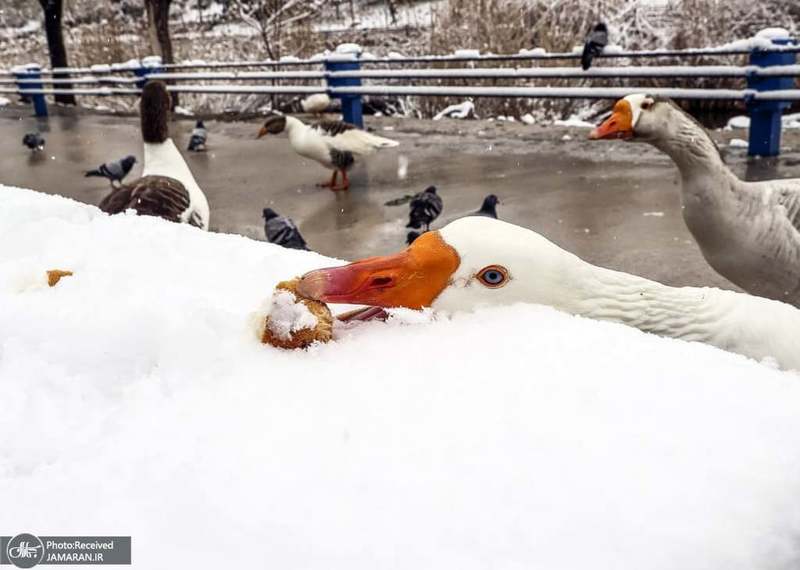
489, 207
424, 208
595, 42
34, 141
282, 231
199, 135
115, 171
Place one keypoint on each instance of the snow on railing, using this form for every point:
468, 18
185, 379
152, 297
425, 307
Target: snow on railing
439, 91
641, 72
770, 78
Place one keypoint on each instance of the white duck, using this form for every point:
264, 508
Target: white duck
333, 144
749, 232
479, 261
167, 188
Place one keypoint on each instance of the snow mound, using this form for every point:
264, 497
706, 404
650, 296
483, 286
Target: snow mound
136, 401
463, 110
467, 53
574, 121
738, 122
4, 101
534, 51
737, 143
348, 48
788, 121
774, 33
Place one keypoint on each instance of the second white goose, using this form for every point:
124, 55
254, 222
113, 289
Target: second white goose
749, 232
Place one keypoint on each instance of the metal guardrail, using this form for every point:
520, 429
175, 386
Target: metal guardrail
769, 77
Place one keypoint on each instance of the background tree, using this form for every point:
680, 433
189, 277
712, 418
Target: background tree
158, 29
273, 17
53, 10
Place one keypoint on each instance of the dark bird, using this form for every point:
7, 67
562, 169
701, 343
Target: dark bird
114, 171
424, 208
489, 207
282, 231
595, 42
199, 136
33, 141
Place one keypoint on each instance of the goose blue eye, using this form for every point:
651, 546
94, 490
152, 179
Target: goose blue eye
493, 276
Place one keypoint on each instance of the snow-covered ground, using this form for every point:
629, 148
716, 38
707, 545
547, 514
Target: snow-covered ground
137, 401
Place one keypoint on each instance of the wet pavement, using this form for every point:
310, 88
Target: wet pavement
615, 204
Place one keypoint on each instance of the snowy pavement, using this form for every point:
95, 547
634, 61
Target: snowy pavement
136, 401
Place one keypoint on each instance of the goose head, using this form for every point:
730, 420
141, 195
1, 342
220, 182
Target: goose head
275, 124
637, 117
471, 262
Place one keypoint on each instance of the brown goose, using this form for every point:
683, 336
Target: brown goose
749, 232
167, 188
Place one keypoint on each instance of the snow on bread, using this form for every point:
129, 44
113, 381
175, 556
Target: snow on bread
294, 321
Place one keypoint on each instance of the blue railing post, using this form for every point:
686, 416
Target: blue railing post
765, 116
28, 72
148, 65
352, 111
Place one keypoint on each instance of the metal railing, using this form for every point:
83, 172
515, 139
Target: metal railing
769, 79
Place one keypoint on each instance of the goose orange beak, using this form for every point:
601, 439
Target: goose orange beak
618, 126
412, 278
262, 132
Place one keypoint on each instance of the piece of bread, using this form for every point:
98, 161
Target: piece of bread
55, 275
288, 326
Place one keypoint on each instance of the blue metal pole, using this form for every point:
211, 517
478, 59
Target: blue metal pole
39, 102
148, 65
352, 111
765, 116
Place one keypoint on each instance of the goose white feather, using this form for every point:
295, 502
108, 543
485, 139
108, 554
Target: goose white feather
313, 142
543, 273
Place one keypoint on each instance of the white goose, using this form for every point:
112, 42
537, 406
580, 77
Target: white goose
333, 144
478, 261
167, 188
749, 232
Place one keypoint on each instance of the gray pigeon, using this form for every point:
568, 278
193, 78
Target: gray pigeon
595, 42
282, 231
424, 208
115, 171
33, 141
199, 136
489, 207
